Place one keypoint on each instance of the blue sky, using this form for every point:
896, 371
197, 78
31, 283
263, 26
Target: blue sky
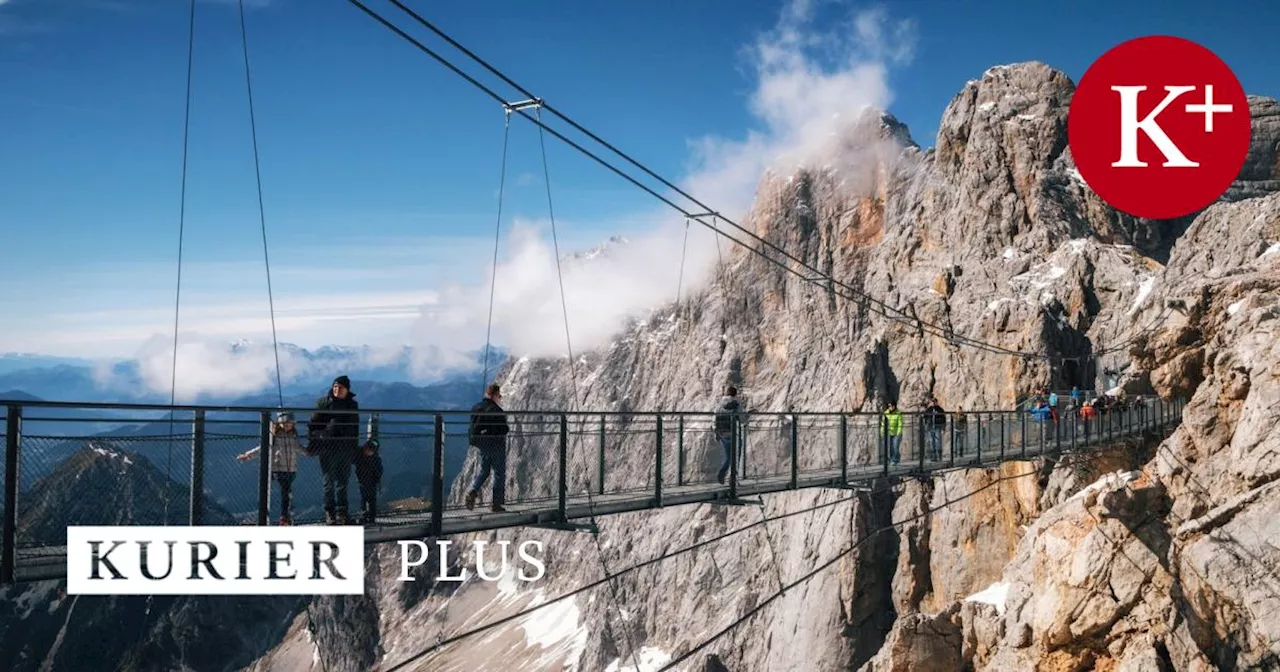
380, 167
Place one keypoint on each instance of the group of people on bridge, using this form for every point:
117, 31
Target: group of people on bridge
333, 436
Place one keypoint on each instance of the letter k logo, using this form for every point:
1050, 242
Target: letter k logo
1136, 135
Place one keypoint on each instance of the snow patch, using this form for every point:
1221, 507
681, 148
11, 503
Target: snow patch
38, 594
1274, 249
1075, 175
987, 107
558, 630
651, 659
1008, 253
1026, 117
1235, 307
1077, 246
994, 70
1144, 290
994, 595
1109, 481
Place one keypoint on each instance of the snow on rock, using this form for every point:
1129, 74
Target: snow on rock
1274, 249
1109, 481
651, 659
994, 595
1235, 307
1144, 289
1008, 253
987, 107
1026, 117
558, 630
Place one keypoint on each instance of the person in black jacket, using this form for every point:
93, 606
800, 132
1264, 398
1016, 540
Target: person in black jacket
488, 433
334, 435
369, 473
726, 426
935, 420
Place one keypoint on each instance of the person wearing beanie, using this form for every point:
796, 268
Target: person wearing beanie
284, 449
333, 435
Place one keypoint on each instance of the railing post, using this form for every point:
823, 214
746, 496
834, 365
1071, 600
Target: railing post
197, 469
1075, 426
844, 449
1002, 432
563, 490
657, 464
1022, 417
1057, 433
12, 439
680, 450
600, 459
733, 457
264, 466
437, 476
795, 453
978, 445
922, 440
884, 442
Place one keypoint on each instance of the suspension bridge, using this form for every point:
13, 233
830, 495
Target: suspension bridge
573, 466
74, 463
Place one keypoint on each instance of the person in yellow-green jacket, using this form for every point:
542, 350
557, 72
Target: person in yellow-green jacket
891, 425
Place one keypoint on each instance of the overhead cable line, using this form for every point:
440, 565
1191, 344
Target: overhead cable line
262, 218
814, 275
182, 221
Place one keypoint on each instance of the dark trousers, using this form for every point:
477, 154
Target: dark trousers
285, 479
726, 462
368, 497
492, 459
336, 465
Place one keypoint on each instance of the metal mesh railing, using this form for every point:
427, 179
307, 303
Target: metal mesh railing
161, 466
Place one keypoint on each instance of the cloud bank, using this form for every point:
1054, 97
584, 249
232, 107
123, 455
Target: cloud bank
813, 73
810, 86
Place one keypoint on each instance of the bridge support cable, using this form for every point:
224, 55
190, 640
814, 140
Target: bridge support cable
577, 402
262, 218
182, 220
759, 246
497, 237
441, 643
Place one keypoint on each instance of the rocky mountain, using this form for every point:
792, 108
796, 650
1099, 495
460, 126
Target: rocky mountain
304, 371
1142, 557
42, 628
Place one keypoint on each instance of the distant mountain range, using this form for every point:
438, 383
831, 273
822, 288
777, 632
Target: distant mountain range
305, 372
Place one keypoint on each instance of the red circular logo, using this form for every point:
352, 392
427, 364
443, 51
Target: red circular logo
1159, 127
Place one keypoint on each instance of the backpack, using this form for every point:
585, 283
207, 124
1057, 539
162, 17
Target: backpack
724, 417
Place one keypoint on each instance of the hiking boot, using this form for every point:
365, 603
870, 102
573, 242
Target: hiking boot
497, 508
285, 520
343, 519
471, 500
329, 518
367, 519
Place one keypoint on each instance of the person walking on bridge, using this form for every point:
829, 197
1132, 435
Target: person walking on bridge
935, 420
726, 429
488, 433
334, 435
891, 427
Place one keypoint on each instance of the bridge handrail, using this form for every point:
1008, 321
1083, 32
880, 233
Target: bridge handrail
863, 450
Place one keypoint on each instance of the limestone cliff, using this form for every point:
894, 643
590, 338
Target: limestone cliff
991, 236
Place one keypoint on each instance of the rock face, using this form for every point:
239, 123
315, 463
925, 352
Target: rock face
974, 272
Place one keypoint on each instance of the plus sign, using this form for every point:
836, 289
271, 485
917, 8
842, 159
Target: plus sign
1208, 108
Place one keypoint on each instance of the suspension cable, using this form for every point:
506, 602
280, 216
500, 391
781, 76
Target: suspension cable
573, 374
182, 221
262, 218
684, 250
813, 275
497, 231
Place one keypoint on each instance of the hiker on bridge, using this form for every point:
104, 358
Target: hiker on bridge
935, 420
334, 435
891, 427
960, 430
488, 433
284, 448
726, 429
368, 463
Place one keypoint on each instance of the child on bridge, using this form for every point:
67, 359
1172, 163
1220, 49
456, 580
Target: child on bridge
285, 447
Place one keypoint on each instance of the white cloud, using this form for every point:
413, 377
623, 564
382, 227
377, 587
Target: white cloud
810, 87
